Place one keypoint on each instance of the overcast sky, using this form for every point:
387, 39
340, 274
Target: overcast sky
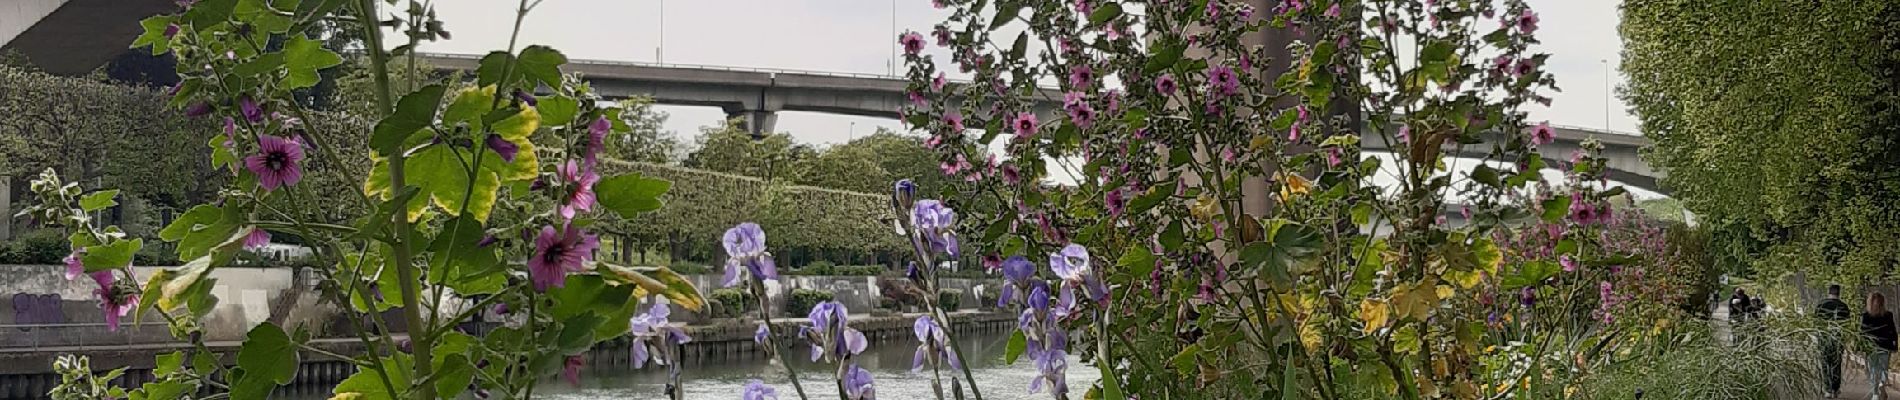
856, 36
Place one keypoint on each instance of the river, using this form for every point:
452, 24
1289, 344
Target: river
889, 361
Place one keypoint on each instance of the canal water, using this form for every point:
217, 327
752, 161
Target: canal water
888, 360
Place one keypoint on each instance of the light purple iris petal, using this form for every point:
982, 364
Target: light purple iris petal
640, 355
760, 335
757, 390
854, 342
744, 240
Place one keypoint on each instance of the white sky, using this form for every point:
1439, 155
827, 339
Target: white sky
857, 36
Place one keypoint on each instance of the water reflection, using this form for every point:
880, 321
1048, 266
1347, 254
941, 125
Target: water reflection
888, 360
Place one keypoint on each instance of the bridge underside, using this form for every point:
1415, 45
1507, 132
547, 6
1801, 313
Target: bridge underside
80, 35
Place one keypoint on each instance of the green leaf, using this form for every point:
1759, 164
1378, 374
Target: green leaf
557, 110
1164, 56
302, 58
542, 64
1531, 274
453, 376
1017, 344
630, 194
164, 390
1287, 244
489, 74
469, 106
1184, 361
367, 384
1486, 175
167, 289
1139, 261
1006, 10
1111, 382
1106, 12
110, 256
1021, 46
268, 353
1555, 208
154, 34
168, 363
98, 200
1172, 237
577, 333
260, 14
415, 111
263, 64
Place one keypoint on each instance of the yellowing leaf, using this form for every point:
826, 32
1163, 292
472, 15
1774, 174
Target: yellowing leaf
1310, 336
517, 127
1374, 312
1292, 185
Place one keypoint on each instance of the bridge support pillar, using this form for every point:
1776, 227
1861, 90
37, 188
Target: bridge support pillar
758, 122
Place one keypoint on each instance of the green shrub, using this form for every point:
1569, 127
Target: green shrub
950, 299
802, 300
156, 254
730, 302
817, 268
987, 299
45, 246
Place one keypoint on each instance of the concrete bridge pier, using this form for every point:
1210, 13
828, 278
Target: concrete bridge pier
758, 122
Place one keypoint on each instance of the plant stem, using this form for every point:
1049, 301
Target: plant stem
405, 264
771, 337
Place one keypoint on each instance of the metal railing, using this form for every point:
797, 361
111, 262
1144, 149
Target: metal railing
857, 75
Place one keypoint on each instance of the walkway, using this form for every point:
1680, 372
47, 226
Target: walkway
1854, 384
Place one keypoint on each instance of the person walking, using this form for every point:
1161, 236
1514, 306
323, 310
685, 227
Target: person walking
1738, 306
1877, 325
1833, 312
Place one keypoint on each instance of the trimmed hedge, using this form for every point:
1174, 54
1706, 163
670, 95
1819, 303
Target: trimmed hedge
802, 300
797, 219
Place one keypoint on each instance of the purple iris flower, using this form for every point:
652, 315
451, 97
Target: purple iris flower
652, 329
1072, 264
764, 333
1018, 271
857, 384
1051, 371
903, 193
933, 344
937, 223
757, 390
831, 334
745, 254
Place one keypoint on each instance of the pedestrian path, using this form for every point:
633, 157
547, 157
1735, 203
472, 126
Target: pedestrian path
1854, 383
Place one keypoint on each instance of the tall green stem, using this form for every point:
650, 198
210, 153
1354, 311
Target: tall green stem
405, 264
771, 339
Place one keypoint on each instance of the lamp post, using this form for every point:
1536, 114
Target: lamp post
1608, 91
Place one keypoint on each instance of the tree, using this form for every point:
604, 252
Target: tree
853, 168
727, 147
645, 142
1779, 118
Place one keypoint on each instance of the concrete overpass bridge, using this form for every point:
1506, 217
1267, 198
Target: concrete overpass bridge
754, 94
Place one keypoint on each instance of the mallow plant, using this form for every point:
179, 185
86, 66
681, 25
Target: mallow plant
482, 194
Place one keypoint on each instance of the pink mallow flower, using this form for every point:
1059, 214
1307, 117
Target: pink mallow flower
580, 195
1025, 124
257, 238
73, 266
276, 162
115, 301
913, 42
1543, 134
557, 253
1527, 22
